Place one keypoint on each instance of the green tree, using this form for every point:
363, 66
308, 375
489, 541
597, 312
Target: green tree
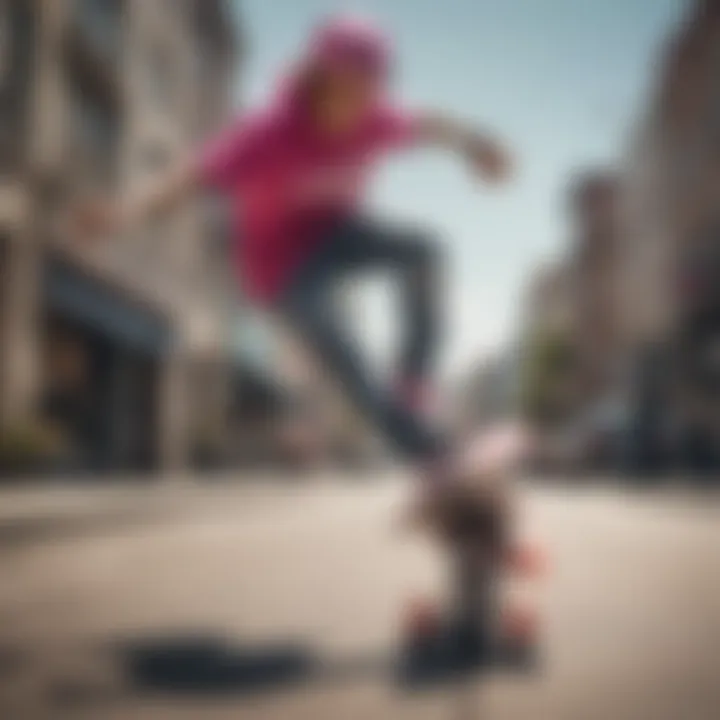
547, 369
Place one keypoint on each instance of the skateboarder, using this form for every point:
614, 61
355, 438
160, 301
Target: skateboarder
295, 170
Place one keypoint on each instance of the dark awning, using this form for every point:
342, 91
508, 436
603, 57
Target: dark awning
105, 309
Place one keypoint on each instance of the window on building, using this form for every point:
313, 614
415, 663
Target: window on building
715, 92
207, 81
4, 270
17, 22
101, 20
5, 43
183, 8
162, 76
95, 134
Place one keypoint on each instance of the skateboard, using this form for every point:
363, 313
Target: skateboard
477, 628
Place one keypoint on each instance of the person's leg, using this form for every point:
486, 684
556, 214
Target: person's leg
414, 255
419, 270
309, 308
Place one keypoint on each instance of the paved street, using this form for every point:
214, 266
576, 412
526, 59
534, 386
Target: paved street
632, 608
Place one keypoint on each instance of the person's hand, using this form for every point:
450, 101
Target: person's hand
96, 219
488, 159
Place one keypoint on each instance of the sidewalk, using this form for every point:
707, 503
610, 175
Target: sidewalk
36, 510
40, 510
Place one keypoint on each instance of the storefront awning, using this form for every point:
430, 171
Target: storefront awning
105, 309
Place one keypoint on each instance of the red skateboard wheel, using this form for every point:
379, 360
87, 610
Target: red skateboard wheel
520, 623
422, 618
527, 561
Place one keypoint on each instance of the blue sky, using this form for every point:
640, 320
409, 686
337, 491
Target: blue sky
562, 81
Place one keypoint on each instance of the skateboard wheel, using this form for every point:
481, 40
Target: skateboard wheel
520, 624
422, 619
527, 561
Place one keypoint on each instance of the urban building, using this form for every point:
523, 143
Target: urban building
593, 266
117, 345
670, 249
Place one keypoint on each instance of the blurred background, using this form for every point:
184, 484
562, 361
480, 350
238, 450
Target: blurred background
586, 299
583, 300
133, 356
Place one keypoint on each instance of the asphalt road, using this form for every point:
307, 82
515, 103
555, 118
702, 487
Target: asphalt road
125, 620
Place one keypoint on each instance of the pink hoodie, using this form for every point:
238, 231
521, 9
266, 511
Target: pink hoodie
291, 185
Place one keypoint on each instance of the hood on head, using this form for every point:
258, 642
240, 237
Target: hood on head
345, 39
349, 39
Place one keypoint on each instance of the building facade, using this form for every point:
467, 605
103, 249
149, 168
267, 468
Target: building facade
593, 267
671, 243
111, 344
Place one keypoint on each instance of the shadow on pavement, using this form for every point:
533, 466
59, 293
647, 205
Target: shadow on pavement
202, 665
115, 676
210, 665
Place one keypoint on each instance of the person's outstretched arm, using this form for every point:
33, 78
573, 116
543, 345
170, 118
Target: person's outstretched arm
104, 216
486, 155
222, 164
170, 190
